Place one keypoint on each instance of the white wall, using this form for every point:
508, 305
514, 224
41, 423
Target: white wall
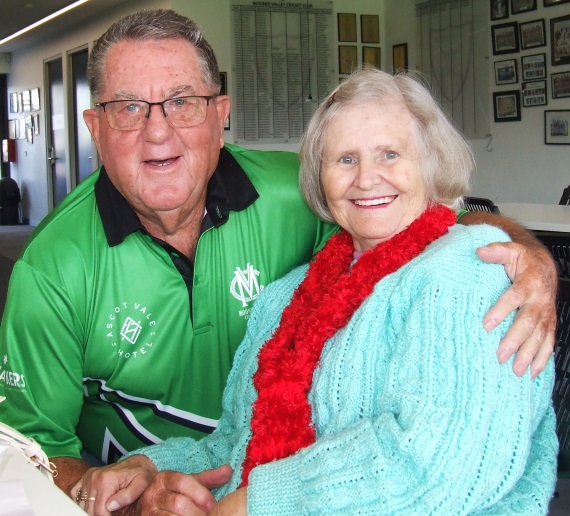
518, 168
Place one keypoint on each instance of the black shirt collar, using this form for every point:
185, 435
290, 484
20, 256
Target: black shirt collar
229, 189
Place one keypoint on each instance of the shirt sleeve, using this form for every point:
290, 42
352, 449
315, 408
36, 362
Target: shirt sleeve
42, 362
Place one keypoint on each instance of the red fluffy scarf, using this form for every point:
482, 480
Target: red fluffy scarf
321, 305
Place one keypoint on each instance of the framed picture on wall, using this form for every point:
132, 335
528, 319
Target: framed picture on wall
506, 72
347, 59
26, 101
533, 34
13, 102
12, 128
371, 56
224, 91
499, 9
370, 28
560, 85
505, 38
35, 99
556, 127
400, 57
533, 67
560, 40
550, 3
346, 27
522, 6
534, 93
507, 106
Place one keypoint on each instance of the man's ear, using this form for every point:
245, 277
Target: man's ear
91, 117
223, 110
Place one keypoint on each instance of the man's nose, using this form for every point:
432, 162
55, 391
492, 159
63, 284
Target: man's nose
157, 124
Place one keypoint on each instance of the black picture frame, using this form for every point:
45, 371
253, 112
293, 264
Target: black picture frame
560, 83
551, 3
522, 6
224, 91
534, 93
499, 9
533, 34
506, 72
557, 127
533, 67
505, 38
507, 106
560, 40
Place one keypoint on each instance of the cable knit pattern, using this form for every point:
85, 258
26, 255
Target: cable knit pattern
412, 411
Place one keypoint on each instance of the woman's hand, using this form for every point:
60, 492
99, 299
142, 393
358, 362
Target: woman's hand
234, 504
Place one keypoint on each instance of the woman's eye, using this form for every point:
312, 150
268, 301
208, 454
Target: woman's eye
347, 160
390, 155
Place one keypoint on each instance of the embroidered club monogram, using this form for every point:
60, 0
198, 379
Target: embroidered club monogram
131, 330
244, 286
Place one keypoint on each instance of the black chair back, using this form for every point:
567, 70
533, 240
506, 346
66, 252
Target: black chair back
565, 199
561, 393
480, 204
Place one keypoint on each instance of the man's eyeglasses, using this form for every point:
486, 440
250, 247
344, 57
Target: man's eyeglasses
130, 115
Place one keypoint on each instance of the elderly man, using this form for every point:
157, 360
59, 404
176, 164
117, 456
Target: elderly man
126, 307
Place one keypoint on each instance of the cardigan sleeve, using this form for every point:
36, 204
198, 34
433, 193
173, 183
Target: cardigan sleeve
453, 429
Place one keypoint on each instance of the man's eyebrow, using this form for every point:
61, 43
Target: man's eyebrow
184, 89
178, 91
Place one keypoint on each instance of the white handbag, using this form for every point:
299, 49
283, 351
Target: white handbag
29, 448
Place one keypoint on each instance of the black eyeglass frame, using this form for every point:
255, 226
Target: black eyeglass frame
207, 98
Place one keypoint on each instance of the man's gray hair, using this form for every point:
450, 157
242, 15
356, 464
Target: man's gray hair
446, 160
149, 24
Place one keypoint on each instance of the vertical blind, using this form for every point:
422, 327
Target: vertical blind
453, 56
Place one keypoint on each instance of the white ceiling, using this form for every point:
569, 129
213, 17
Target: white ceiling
18, 14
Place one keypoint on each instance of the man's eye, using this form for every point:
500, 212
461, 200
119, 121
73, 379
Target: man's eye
179, 102
132, 108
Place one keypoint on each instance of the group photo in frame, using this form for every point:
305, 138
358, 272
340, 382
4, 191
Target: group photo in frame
534, 93
507, 106
533, 67
370, 28
347, 59
560, 40
522, 6
533, 34
371, 56
347, 27
506, 72
560, 85
556, 127
400, 57
505, 38
499, 9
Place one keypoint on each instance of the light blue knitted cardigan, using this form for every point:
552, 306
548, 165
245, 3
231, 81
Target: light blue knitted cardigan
413, 413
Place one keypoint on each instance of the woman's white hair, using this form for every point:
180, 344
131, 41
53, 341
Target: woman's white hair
446, 160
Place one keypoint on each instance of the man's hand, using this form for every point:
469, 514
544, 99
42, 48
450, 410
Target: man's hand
134, 486
534, 277
531, 268
184, 495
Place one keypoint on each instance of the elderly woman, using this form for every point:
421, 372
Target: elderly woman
366, 382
